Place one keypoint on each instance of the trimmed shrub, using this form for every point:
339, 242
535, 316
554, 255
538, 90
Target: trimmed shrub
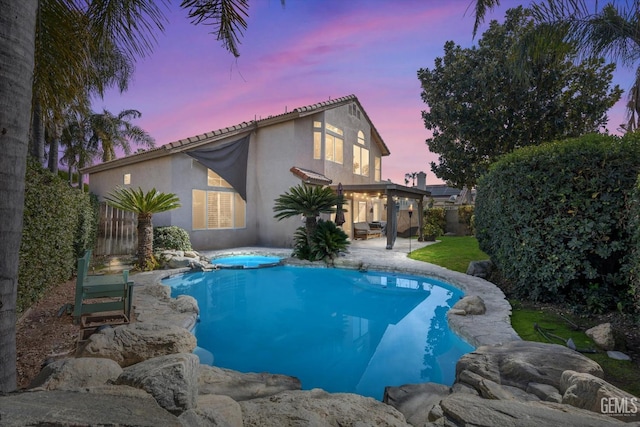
435, 222
465, 216
554, 219
58, 225
171, 237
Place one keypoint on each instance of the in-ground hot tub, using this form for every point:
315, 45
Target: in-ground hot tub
246, 261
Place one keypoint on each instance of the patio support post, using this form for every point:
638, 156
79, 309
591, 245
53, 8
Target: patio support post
391, 220
420, 219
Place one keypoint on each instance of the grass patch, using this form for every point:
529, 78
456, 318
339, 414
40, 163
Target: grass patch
452, 252
455, 253
622, 374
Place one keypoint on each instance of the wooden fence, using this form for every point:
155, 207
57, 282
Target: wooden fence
116, 232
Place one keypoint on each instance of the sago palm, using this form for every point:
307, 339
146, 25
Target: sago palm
309, 201
144, 205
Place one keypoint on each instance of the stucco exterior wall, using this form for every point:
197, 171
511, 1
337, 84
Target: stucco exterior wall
155, 173
275, 147
189, 174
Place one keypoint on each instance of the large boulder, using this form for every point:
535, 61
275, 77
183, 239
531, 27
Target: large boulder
172, 380
243, 386
603, 335
470, 305
318, 408
70, 374
74, 408
596, 395
137, 342
480, 269
518, 363
154, 305
415, 401
213, 410
463, 409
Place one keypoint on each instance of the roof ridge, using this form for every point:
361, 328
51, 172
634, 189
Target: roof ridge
181, 144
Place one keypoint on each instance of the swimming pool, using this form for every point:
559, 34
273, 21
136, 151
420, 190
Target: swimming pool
246, 261
335, 329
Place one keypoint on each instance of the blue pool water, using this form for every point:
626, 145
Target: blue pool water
246, 261
339, 330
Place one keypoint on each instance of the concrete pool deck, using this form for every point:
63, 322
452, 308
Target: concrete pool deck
491, 328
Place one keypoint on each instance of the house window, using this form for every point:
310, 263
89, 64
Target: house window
219, 208
360, 157
215, 180
333, 149
353, 110
377, 168
334, 142
361, 212
126, 180
317, 140
215, 210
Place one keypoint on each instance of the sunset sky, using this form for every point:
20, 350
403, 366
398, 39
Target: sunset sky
303, 53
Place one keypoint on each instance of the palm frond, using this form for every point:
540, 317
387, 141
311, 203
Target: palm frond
610, 31
307, 200
226, 16
130, 24
482, 6
141, 203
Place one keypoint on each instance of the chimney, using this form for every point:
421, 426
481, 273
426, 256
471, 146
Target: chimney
422, 180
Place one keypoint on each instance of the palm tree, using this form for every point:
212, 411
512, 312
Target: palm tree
110, 132
144, 205
130, 27
17, 44
410, 176
72, 63
609, 31
309, 201
596, 30
78, 152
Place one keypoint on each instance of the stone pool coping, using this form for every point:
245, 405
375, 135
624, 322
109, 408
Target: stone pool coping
491, 328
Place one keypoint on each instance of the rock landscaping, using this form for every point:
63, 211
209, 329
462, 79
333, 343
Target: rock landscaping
146, 373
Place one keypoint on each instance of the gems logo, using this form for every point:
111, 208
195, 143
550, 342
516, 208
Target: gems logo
624, 406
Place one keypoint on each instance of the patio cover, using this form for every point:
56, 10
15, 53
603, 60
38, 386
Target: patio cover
229, 161
391, 190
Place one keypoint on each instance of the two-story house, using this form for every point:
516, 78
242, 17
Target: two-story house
227, 180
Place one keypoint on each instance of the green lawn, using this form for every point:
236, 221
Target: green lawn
452, 252
455, 253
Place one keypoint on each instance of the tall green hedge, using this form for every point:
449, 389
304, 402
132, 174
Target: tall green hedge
634, 263
555, 219
59, 224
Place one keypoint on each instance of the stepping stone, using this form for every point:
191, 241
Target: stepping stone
617, 355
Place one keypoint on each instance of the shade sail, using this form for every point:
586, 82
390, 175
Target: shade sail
229, 161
